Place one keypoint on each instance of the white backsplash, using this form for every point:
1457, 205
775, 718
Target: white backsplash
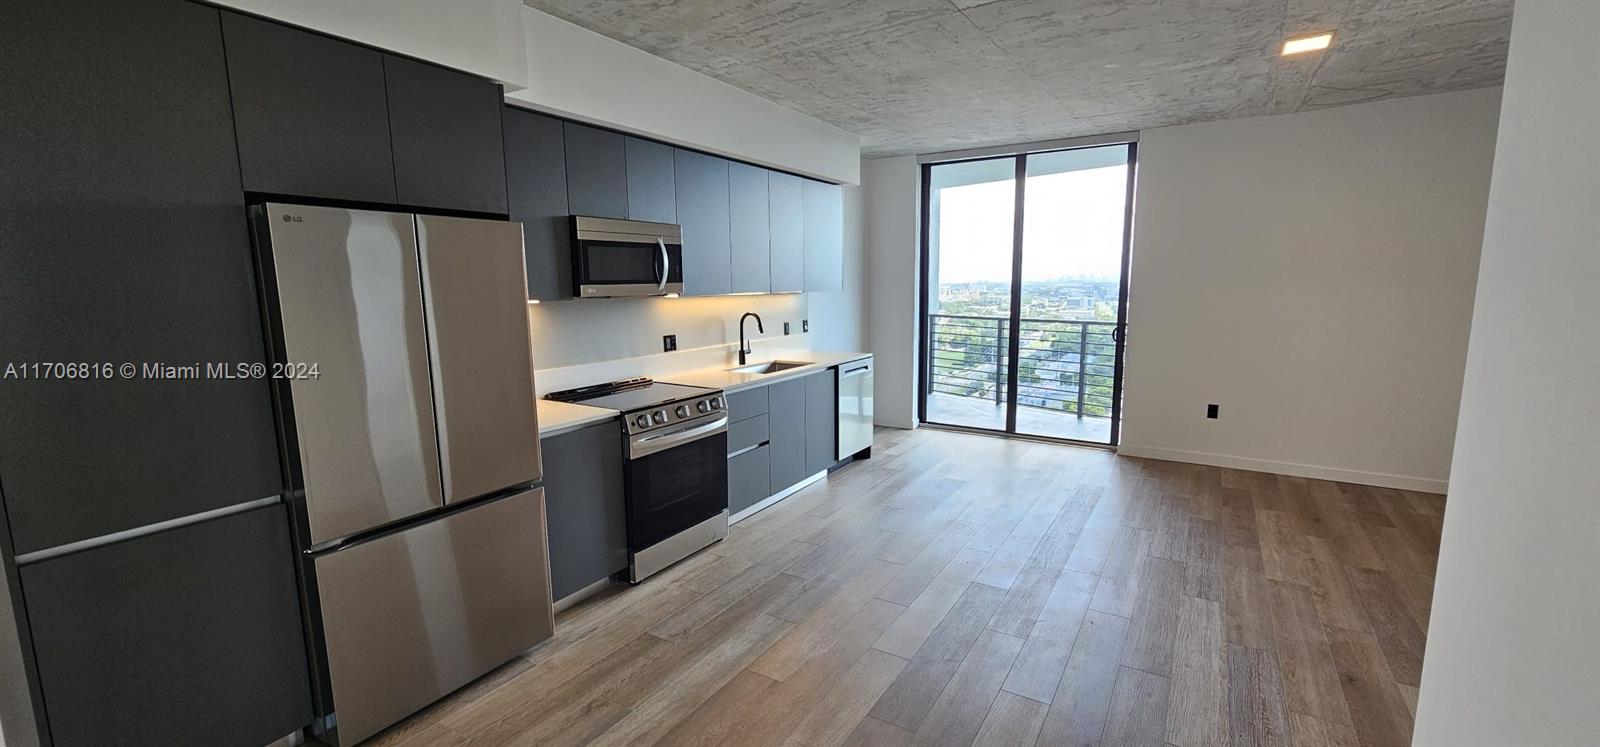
589, 341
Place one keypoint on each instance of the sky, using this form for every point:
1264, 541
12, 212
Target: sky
1072, 227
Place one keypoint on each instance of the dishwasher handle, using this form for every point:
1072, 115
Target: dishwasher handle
865, 367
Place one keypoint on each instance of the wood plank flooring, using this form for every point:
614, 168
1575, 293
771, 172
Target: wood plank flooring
959, 590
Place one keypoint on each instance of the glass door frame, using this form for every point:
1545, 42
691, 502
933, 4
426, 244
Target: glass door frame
1119, 333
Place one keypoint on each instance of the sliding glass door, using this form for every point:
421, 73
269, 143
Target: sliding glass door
1025, 269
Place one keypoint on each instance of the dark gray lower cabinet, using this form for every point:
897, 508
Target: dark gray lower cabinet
749, 479
822, 416
786, 417
187, 636
585, 506
800, 424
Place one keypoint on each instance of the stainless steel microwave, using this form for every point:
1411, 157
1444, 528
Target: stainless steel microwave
615, 258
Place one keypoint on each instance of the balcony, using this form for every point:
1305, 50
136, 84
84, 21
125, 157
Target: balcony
1066, 370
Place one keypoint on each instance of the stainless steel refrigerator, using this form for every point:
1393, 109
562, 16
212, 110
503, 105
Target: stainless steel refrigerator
406, 406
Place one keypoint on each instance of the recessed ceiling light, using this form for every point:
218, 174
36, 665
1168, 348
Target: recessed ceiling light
1307, 44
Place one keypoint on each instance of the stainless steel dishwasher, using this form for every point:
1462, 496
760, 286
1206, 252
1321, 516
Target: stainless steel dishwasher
855, 408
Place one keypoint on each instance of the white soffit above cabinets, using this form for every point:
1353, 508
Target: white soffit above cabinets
916, 76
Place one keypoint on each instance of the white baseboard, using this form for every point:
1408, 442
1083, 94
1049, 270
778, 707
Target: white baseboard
1378, 479
773, 499
572, 600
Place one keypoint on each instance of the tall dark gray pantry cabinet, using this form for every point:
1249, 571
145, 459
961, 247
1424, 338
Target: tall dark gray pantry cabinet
147, 559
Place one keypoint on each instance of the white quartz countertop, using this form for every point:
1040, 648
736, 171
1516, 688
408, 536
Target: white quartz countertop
729, 381
560, 417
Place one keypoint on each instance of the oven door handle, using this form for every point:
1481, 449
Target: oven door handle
651, 444
666, 265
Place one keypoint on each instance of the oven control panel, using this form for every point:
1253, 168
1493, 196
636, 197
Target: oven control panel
672, 413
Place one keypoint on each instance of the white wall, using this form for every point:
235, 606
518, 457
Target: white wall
1312, 274
891, 188
579, 74
1513, 652
479, 36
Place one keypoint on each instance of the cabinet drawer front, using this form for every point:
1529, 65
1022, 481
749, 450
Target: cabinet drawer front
747, 403
748, 479
747, 433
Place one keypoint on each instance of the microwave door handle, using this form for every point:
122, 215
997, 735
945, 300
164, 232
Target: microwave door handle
666, 265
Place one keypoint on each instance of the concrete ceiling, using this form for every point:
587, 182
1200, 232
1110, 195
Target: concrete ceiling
919, 76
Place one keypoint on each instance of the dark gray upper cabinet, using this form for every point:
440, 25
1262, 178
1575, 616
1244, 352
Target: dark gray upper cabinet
536, 184
748, 228
188, 636
786, 226
446, 131
786, 418
703, 213
311, 114
652, 188
597, 172
822, 415
125, 240
824, 235
586, 507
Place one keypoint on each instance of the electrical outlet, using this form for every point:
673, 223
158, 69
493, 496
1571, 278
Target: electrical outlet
805, 325
1211, 411
786, 328
669, 343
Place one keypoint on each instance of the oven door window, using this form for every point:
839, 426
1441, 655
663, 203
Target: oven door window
673, 490
621, 264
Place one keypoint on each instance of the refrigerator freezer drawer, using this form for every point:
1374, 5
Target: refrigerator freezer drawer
477, 300
411, 616
855, 408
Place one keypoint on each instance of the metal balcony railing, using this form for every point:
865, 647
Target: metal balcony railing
1065, 366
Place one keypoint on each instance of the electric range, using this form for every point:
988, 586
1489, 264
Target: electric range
675, 470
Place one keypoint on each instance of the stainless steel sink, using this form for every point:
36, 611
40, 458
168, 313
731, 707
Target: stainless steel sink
769, 367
